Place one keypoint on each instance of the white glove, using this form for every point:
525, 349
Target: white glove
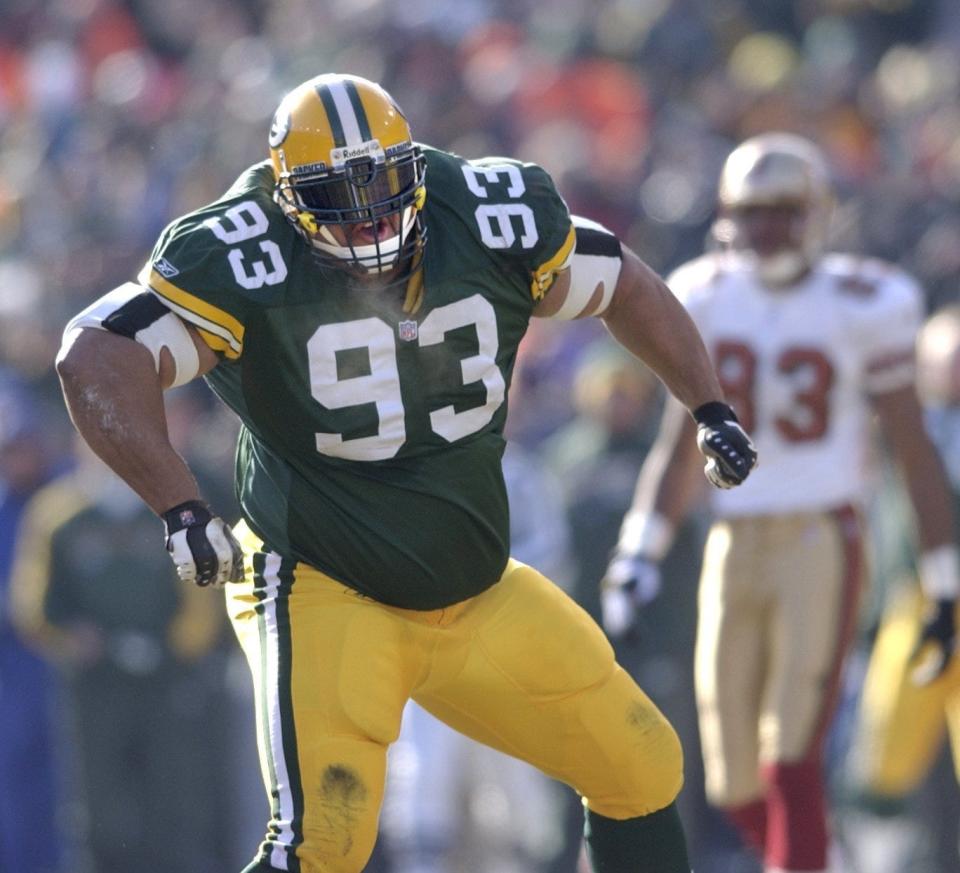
202, 546
631, 581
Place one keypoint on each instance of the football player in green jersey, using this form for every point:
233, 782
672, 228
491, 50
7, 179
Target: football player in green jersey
358, 301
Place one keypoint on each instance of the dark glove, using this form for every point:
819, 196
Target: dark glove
202, 546
631, 581
729, 451
938, 639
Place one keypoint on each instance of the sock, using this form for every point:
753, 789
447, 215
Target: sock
750, 820
796, 816
646, 844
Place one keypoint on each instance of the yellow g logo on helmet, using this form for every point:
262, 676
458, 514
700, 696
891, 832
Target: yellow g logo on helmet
280, 127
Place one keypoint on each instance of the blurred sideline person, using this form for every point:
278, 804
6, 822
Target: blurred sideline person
808, 347
597, 457
358, 301
96, 600
31, 770
901, 723
455, 804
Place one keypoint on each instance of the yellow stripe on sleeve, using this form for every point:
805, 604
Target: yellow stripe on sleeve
217, 343
544, 275
220, 330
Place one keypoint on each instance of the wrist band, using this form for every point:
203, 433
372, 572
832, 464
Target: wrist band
187, 514
647, 534
713, 412
940, 572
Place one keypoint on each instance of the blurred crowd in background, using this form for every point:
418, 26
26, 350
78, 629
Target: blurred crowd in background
117, 115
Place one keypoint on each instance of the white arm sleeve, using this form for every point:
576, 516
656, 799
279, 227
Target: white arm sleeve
136, 312
596, 260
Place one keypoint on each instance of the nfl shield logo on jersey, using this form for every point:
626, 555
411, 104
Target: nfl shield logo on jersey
407, 330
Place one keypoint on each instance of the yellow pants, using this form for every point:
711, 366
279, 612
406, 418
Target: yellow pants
901, 725
520, 667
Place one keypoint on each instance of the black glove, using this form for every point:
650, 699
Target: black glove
202, 546
938, 639
631, 581
729, 451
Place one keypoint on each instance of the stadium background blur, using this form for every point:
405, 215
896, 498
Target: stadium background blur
117, 115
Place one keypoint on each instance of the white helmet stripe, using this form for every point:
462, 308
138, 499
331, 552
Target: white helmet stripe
348, 118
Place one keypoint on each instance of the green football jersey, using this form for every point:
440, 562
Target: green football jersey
373, 432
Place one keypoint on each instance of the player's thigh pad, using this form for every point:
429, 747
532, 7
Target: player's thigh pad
538, 680
330, 680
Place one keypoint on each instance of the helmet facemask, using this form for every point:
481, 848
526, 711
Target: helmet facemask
375, 205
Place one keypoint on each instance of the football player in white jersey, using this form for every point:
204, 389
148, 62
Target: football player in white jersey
810, 348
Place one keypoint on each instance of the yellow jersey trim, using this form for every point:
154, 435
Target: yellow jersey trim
220, 330
544, 275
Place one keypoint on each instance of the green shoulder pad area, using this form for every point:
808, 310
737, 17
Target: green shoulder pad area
511, 208
212, 265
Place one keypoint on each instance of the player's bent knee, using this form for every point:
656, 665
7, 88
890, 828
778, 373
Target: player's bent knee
643, 760
654, 779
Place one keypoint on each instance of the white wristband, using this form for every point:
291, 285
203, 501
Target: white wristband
647, 534
940, 573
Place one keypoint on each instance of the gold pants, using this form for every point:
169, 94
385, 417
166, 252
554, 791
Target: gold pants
777, 611
520, 667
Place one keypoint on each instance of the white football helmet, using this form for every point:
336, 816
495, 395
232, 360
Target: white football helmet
775, 201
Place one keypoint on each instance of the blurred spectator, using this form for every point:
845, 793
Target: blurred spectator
31, 772
98, 599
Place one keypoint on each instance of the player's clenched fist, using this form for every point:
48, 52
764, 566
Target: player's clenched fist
725, 444
202, 546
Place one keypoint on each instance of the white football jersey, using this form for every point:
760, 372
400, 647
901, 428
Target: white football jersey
798, 366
